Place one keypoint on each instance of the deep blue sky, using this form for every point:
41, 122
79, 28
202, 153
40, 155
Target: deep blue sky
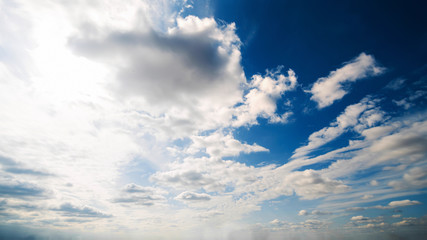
315, 37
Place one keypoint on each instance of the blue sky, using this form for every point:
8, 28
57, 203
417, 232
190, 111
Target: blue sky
213, 120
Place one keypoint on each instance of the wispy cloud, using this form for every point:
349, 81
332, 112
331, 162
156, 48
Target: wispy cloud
327, 90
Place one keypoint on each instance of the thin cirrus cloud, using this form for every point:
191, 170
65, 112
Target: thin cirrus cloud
326, 90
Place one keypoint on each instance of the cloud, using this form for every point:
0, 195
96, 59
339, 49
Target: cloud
396, 204
367, 196
260, 101
69, 210
355, 209
310, 184
136, 194
396, 84
210, 174
403, 203
192, 196
329, 89
364, 113
11, 166
314, 212
372, 225
18, 189
362, 219
220, 145
359, 218
409, 143
188, 178
203, 78
414, 178
411, 221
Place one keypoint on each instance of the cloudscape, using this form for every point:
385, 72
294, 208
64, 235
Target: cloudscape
234, 120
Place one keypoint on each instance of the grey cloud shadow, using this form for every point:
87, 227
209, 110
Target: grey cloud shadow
14, 167
69, 210
160, 67
22, 190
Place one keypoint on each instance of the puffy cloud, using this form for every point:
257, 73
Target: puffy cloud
192, 196
203, 78
220, 145
188, 179
327, 90
197, 53
396, 204
303, 213
310, 184
210, 174
261, 99
403, 203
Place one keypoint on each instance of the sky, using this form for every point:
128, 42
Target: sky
213, 119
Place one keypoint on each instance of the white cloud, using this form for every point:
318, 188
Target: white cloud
310, 184
219, 145
327, 90
374, 183
192, 196
314, 212
411, 221
367, 196
359, 218
303, 213
261, 99
403, 203
414, 178
362, 113
141, 195
396, 204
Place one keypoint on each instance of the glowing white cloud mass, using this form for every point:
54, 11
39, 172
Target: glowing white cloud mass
140, 120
